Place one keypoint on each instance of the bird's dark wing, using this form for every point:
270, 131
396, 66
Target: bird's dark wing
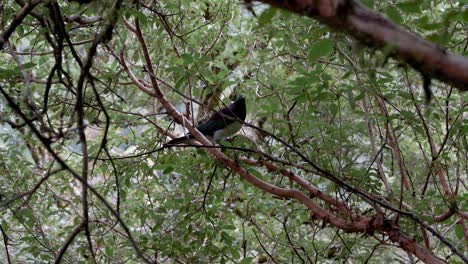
211, 125
218, 120
231, 112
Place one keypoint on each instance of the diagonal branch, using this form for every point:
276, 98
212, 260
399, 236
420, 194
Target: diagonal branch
68, 242
27, 8
5, 242
373, 29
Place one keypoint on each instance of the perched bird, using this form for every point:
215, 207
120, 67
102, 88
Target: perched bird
222, 124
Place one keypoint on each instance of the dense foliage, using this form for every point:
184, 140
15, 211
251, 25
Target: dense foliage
313, 96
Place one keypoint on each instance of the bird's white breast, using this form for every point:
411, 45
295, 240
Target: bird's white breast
227, 132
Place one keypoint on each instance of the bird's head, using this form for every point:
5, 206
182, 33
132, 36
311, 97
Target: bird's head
239, 108
240, 97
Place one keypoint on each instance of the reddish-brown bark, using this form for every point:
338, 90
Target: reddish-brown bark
372, 28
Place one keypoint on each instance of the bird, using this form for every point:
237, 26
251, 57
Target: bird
221, 124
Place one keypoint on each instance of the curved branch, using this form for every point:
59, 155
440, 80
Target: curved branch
5, 242
69, 240
373, 29
314, 191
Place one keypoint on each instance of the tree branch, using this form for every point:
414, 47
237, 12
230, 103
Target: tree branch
365, 224
373, 29
69, 240
27, 8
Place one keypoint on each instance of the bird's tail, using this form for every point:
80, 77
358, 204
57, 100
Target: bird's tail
180, 140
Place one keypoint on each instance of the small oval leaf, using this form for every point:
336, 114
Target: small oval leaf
323, 47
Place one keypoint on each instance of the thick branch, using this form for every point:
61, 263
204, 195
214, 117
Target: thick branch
314, 191
373, 29
27, 8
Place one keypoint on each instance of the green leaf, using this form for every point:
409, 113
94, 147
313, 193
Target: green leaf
110, 251
187, 58
182, 81
464, 202
28, 65
464, 130
412, 6
323, 47
8, 73
254, 172
46, 257
267, 16
247, 260
235, 253
394, 14
408, 116
5, 226
464, 15
368, 3
459, 232
333, 109
168, 169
